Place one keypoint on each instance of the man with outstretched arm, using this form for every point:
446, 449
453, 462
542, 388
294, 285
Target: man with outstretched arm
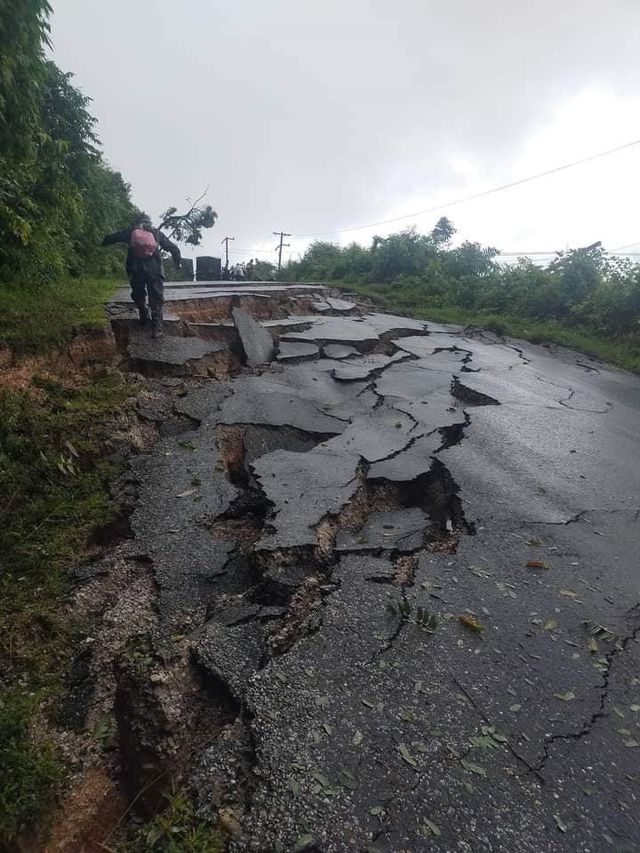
145, 268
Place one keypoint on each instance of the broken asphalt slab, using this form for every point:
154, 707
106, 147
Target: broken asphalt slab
256, 341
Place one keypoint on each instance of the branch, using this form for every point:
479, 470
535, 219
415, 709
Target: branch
184, 216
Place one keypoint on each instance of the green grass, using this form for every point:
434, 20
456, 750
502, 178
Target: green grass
54, 491
36, 319
29, 772
177, 829
620, 352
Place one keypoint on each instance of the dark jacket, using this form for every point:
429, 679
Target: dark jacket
149, 266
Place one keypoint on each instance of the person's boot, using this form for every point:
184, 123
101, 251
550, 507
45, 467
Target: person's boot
156, 322
143, 315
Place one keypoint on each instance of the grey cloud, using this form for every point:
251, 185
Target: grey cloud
313, 115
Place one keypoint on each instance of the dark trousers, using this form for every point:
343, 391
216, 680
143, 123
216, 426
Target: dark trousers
143, 283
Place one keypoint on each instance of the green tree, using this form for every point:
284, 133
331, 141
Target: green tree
57, 195
23, 32
442, 232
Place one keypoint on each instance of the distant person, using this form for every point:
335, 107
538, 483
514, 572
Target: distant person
145, 268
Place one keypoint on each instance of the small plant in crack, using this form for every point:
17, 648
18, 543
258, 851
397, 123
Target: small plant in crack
425, 620
401, 608
422, 618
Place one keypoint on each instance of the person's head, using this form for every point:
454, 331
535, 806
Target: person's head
143, 221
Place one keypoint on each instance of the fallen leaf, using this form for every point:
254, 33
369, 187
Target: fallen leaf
186, 494
634, 708
561, 826
376, 810
566, 697
536, 564
348, 780
303, 841
473, 768
631, 743
568, 592
515, 708
484, 742
550, 624
229, 822
357, 738
404, 752
471, 622
319, 776
433, 827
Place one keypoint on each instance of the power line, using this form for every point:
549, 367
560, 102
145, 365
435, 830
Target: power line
477, 195
628, 246
526, 254
252, 251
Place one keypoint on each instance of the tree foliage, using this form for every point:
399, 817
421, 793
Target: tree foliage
57, 194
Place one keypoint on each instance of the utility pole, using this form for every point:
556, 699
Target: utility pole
226, 251
279, 248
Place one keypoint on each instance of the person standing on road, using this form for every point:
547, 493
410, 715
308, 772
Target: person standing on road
145, 268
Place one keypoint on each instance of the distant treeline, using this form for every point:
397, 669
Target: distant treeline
57, 194
411, 271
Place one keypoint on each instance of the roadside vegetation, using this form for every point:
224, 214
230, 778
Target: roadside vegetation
585, 298
54, 483
58, 198
176, 829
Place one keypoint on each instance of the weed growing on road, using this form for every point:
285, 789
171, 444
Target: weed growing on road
422, 618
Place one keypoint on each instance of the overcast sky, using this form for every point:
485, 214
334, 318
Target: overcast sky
322, 115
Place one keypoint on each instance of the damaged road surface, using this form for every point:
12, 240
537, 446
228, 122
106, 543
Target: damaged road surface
380, 586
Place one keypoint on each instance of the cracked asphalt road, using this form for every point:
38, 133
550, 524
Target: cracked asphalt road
313, 513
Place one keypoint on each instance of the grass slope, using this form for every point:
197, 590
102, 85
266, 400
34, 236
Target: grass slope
53, 492
36, 319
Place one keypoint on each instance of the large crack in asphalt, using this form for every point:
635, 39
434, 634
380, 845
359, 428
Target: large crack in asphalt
599, 712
